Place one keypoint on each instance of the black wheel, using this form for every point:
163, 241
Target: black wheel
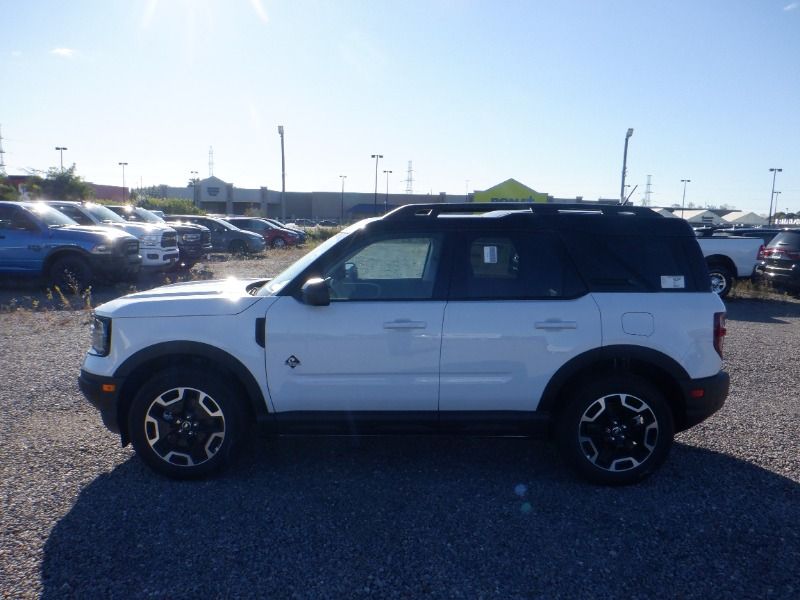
238, 247
185, 423
616, 430
278, 243
721, 279
71, 274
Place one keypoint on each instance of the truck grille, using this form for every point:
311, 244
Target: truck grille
130, 247
169, 240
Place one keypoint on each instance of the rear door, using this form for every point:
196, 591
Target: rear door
517, 311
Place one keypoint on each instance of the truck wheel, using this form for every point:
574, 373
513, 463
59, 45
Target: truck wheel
185, 423
721, 279
71, 273
616, 430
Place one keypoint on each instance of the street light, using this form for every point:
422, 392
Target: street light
774, 172
776, 201
683, 202
123, 165
375, 206
341, 219
386, 201
283, 176
195, 192
61, 151
624, 166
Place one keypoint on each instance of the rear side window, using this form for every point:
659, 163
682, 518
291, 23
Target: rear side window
512, 266
632, 263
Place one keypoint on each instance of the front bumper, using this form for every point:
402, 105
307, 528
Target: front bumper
103, 394
159, 258
115, 266
700, 407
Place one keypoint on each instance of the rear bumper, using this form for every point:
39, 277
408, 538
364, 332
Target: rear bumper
789, 277
699, 407
103, 394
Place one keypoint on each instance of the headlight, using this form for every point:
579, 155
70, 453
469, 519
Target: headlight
190, 237
103, 249
150, 240
101, 336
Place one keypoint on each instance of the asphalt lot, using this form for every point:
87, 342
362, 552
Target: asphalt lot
393, 517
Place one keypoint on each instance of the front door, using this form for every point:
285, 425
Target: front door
376, 346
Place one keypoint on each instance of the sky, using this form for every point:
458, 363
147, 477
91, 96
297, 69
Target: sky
472, 91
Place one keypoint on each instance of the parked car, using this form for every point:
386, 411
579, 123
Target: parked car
37, 240
729, 258
158, 243
224, 236
596, 327
303, 236
781, 263
276, 237
194, 241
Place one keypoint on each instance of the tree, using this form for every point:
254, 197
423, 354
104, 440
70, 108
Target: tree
59, 185
7, 191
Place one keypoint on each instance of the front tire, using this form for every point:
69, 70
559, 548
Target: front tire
185, 423
616, 431
71, 273
278, 243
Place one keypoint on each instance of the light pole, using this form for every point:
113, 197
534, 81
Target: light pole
774, 172
61, 151
283, 176
624, 166
683, 202
341, 219
195, 193
776, 201
386, 200
375, 206
123, 165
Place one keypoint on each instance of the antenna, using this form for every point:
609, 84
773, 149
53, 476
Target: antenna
409, 180
647, 192
2, 155
211, 161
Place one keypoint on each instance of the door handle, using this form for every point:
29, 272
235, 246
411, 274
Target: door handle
405, 324
555, 325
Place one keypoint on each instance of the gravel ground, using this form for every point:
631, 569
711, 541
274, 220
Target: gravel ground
304, 517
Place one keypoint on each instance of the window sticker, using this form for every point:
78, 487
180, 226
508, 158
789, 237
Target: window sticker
490, 255
672, 282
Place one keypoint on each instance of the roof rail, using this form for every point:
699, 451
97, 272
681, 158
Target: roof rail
410, 211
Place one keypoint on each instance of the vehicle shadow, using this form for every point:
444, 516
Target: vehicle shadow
439, 517
762, 310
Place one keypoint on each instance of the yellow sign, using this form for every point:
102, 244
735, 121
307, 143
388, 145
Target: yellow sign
510, 190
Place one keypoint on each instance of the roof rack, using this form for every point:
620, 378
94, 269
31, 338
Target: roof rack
410, 211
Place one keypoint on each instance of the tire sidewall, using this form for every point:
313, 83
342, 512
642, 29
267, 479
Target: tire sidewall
569, 419
79, 268
724, 274
226, 397
278, 243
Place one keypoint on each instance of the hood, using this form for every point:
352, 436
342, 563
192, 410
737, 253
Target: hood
92, 233
195, 298
188, 228
140, 229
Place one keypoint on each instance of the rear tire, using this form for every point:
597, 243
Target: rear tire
71, 273
616, 431
721, 279
278, 243
186, 423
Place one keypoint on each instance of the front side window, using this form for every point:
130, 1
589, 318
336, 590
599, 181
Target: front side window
75, 214
391, 268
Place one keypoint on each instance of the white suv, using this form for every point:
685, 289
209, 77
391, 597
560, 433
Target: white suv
595, 326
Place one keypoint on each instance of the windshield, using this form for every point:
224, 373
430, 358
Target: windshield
103, 214
50, 216
146, 216
279, 282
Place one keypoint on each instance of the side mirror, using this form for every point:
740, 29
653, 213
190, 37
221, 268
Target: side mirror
315, 292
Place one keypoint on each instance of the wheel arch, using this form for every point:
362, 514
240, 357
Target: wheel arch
143, 364
722, 261
661, 370
65, 251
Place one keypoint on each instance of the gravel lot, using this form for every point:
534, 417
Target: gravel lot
305, 517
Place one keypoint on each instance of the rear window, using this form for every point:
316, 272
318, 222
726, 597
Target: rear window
786, 239
636, 263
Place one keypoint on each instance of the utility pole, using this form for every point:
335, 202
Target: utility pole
624, 166
61, 152
341, 219
375, 201
647, 192
683, 202
283, 177
386, 201
774, 172
409, 180
123, 165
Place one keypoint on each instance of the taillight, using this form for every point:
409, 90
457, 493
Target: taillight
719, 331
760, 255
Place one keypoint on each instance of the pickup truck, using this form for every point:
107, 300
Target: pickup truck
37, 240
728, 258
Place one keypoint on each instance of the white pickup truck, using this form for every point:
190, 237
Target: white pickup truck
729, 258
